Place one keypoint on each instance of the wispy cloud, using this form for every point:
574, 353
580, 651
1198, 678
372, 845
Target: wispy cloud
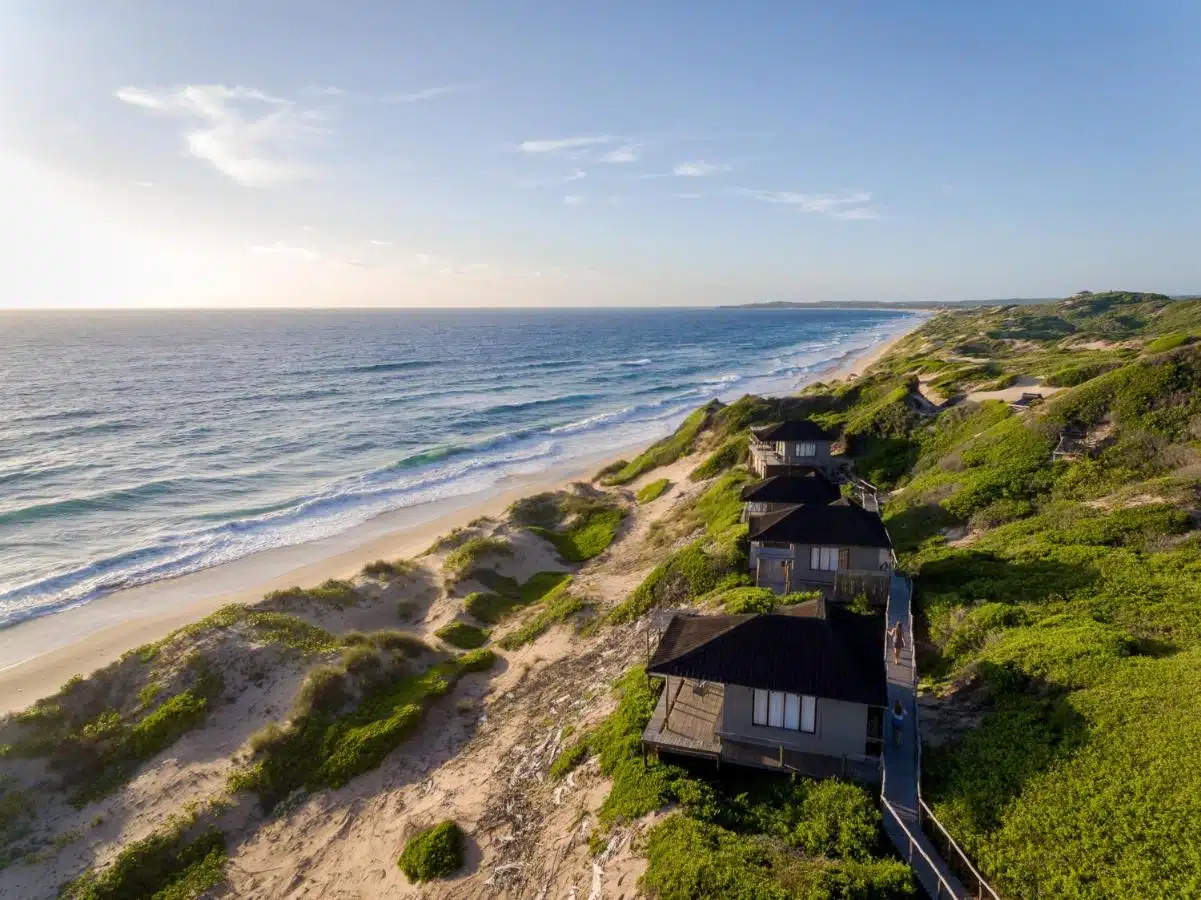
626, 153
554, 180
378, 243
555, 145
698, 168
392, 97
688, 196
249, 135
144, 184
573, 200
844, 205
284, 251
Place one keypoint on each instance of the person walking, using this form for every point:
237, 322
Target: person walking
898, 722
896, 636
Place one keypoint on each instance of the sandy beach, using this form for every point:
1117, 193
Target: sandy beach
38, 656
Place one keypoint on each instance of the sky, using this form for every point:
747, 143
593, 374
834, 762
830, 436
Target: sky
317, 153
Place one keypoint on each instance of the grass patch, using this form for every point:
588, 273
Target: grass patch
508, 596
326, 745
332, 592
388, 570
557, 606
433, 853
469, 554
664, 452
165, 866
653, 490
733, 451
463, 635
586, 538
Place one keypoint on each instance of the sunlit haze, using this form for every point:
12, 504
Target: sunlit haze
530, 154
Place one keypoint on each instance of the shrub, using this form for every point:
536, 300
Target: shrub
611, 469
480, 660
558, 606
386, 570
332, 592
471, 551
747, 600
494, 607
324, 691
433, 853
462, 635
164, 866
653, 490
362, 661
588, 536
732, 452
397, 640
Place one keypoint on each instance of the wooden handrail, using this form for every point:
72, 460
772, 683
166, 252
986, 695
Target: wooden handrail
981, 883
943, 884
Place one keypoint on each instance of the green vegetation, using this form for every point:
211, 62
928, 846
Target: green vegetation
433, 853
1067, 612
733, 451
579, 525
335, 593
1167, 342
508, 595
469, 554
557, 606
96, 751
167, 865
680, 443
463, 635
715, 560
653, 490
388, 570
754, 837
331, 737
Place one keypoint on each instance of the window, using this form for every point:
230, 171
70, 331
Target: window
806, 449
824, 559
776, 709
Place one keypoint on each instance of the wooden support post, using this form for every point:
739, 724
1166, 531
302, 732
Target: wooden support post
781, 763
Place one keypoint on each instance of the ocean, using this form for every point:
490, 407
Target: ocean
140, 446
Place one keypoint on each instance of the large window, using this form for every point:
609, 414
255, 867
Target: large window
806, 449
776, 709
825, 559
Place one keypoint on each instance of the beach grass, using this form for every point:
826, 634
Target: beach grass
463, 635
434, 852
652, 490
556, 607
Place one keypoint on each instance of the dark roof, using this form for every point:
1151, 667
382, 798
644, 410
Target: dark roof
812, 487
841, 523
839, 656
795, 430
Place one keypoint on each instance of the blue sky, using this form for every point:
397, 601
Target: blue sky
383, 153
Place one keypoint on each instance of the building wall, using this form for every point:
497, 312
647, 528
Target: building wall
869, 558
787, 451
841, 726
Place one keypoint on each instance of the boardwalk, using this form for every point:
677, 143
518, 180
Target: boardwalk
902, 761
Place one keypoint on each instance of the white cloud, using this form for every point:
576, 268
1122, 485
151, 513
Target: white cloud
576, 175
284, 251
246, 134
571, 143
699, 168
144, 184
423, 259
688, 196
573, 200
626, 153
376, 243
845, 205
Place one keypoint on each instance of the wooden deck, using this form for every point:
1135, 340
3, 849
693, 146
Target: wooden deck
811, 765
694, 721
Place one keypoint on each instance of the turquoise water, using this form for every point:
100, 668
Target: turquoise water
138, 446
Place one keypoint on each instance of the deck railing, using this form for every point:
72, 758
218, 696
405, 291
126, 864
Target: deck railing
958, 859
943, 887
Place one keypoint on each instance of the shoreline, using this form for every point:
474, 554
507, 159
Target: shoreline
38, 655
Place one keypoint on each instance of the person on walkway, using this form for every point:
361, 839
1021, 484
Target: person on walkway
898, 722
896, 636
